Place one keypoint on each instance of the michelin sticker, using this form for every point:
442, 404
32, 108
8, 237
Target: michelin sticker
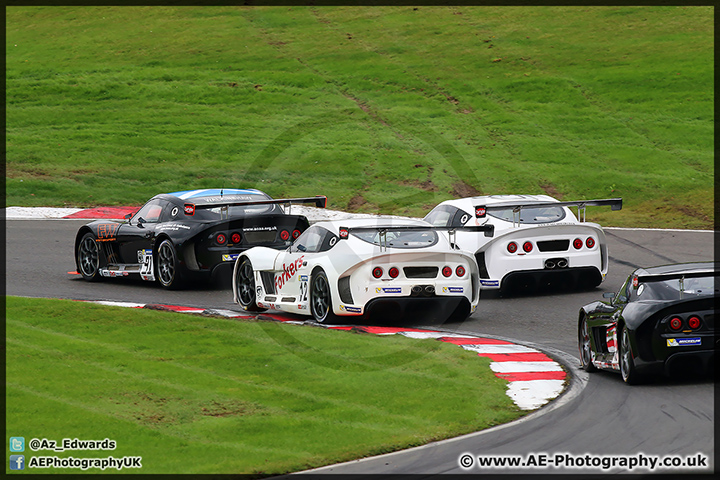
388, 290
683, 342
453, 289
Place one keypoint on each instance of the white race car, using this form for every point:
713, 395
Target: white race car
538, 241
381, 269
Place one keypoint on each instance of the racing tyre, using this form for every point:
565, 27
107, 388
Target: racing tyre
585, 347
321, 299
167, 266
244, 284
627, 365
88, 258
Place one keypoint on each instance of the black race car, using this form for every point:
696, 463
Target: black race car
187, 235
661, 321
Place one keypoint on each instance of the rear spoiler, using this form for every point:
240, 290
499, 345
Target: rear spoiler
319, 201
344, 232
614, 203
662, 277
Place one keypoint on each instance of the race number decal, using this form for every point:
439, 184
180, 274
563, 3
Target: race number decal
303, 289
146, 264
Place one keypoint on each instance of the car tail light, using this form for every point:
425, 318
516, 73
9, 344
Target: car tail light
675, 323
527, 247
590, 242
377, 272
285, 235
460, 271
296, 233
577, 243
393, 272
694, 322
446, 271
512, 247
235, 237
220, 239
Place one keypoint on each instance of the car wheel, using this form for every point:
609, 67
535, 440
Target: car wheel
167, 266
88, 258
245, 287
321, 299
585, 347
627, 364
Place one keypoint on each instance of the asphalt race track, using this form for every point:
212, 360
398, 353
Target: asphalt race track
663, 417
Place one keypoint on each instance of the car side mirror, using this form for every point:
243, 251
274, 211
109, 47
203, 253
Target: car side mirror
141, 220
128, 216
608, 294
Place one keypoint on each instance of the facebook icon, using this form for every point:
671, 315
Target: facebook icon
17, 462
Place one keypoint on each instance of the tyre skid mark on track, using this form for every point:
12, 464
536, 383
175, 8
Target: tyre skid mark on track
534, 378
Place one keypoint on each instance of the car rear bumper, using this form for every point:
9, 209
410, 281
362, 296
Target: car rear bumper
435, 308
559, 278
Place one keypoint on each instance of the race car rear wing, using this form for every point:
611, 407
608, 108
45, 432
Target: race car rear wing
344, 232
614, 203
681, 277
319, 201
662, 277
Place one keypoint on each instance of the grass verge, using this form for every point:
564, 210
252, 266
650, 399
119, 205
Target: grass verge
382, 109
195, 394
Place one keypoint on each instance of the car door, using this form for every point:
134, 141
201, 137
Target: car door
603, 325
135, 238
292, 274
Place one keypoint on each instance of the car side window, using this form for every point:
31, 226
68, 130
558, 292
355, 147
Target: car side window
314, 240
447, 216
309, 241
623, 294
150, 212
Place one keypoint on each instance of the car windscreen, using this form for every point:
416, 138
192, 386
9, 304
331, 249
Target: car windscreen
673, 289
530, 215
399, 239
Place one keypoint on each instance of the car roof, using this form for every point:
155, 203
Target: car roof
500, 200
210, 196
677, 268
205, 193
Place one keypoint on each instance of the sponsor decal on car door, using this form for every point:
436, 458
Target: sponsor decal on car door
287, 278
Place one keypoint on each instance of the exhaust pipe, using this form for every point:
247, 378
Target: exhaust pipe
429, 290
416, 290
549, 264
562, 263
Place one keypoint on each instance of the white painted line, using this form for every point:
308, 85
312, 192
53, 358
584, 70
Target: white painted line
421, 335
120, 304
38, 213
657, 229
499, 349
227, 313
514, 367
532, 394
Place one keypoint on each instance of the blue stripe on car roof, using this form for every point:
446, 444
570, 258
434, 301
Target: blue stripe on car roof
213, 192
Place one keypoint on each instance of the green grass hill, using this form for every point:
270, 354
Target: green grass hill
382, 109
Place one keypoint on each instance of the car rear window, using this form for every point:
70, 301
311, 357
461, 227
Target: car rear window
530, 215
400, 239
217, 213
